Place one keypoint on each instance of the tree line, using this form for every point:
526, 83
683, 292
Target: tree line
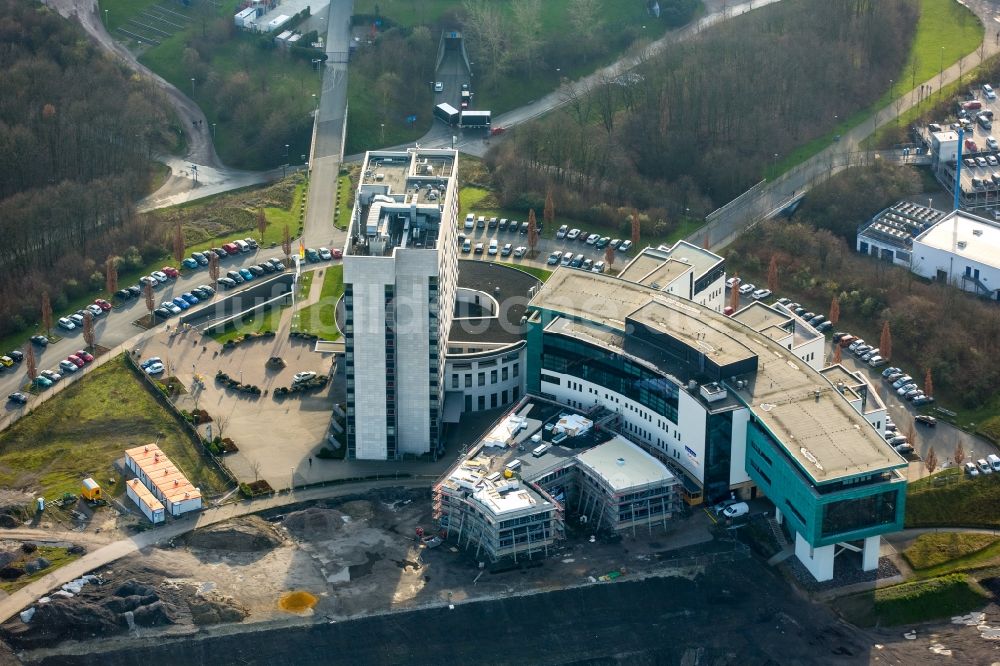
700, 122
77, 130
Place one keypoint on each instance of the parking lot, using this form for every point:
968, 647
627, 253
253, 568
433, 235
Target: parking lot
511, 236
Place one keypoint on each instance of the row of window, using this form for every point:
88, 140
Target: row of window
505, 373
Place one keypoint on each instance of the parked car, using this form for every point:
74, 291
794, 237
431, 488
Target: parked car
554, 258
123, 295
245, 274
324, 254
983, 466
42, 381
171, 307
200, 258
478, 249
227, 282
84, 355
824, 327
889, 371
154, 369
66, 324
266, 266
337, 253
904, 448
76, 360
39, 340
922, 400
905, 379
760, 294
858, 342
95, 310
970, 469
747, 288
257, 271
189, 262
6, 361
506, 250
170, 271
18, 397
730, 282
181, 303
51, 375
876, 361
598, 267
103, 304
625, 246
847, 340
159, 276
572, 234
587, 264
312, 256
602, 242
67, 366
563, 230
520, 251
190, 298
736, 510
838, 335
135, 290
923, 419
904, 389
17, 355
301, 377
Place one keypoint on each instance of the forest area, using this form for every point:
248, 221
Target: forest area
76, 140
933, 326
700, 122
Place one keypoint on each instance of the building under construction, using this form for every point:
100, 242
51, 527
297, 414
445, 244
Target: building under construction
508, 498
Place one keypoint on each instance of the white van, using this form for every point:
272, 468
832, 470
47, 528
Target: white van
243, 245
994, 461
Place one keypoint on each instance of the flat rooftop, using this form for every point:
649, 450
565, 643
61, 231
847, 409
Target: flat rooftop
900, 223
624, 466
819, 429
703, 260
759, 317
163, 474
509, 287
662, 265
682, 322
965, 235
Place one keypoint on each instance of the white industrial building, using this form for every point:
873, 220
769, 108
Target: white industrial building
151, 507
889, 234
400, 275
165, 482
962, 250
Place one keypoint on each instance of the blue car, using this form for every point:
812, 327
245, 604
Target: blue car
190, 263
247, 275
190, 298
181, 303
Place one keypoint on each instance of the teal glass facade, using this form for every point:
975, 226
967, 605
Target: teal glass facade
847, 509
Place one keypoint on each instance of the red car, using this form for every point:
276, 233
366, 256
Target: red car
337, 254
75, 360
84, 356
171, 271
103, 304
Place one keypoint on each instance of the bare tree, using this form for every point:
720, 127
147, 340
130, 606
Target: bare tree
911, 434
532, 231
636, 229
46, 313
584, 19
928, 384
772, 274
609, 256
837, 354
220, 425
213, 267
834, 310
549, 213
885, 342
261, 224
286, 243
734, 294
931, 461
111, 275
254, 466
30, 362
959, 456
150, 301
89, 335
526, 36
179, 242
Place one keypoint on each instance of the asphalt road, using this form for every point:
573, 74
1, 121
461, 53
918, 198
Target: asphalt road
452, 73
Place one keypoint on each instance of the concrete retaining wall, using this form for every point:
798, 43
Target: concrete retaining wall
238, 303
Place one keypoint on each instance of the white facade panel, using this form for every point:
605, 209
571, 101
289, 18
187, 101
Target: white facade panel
691, 416
738, 456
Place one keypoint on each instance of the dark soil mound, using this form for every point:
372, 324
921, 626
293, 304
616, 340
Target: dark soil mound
244, 535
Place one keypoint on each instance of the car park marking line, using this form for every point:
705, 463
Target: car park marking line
709, 514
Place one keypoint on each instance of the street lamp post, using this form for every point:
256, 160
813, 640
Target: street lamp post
381, 132
213, 131
105, 17
192, 86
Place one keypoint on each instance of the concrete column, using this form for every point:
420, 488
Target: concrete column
869, 558
778, 517
819, 561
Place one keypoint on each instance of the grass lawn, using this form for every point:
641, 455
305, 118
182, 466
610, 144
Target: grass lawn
277, 218
914, 602
83, 430
540, 273
345, 201
268, 321
56, 556
305, 284
949, 500
946, 31
321, 318
945, 552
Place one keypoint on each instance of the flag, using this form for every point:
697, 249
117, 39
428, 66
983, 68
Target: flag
302, 250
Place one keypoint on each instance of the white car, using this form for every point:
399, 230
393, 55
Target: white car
492, 250
68, 366
563, 230
566, 258
760, 294
736, 510
731, 281
988, 91
303, 376
95, 310
154, 368
66, 323
592, 238
625, 246
747, 288
598, 267
573, 234
438, 86
470, 222
159, 276
520, 251
324, 254
991, 143
172, 307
